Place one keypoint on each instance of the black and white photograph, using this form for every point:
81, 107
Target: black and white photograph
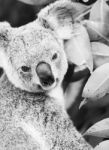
54, 74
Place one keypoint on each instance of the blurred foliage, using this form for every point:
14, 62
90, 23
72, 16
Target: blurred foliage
18, 13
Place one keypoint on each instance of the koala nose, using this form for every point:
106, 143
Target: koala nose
45, 75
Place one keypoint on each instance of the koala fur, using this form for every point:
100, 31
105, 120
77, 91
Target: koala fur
41, 41
29, 118
33, 121
28, 46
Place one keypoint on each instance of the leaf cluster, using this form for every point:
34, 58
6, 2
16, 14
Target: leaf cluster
97, 86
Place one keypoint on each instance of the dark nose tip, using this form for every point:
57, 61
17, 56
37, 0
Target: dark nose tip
44, 72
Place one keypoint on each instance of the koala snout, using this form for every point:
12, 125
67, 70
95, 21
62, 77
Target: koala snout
45, 75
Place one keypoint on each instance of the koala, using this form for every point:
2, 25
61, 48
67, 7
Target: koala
33, 55
35, 63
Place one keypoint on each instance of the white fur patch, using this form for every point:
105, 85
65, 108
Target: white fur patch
35, 134
57, 94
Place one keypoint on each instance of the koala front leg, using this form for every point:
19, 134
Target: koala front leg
52, 129
40, 118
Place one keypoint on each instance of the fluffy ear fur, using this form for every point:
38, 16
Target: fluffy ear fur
5, 37
4, 34
61, 15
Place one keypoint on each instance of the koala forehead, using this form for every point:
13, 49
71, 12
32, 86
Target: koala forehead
33, 41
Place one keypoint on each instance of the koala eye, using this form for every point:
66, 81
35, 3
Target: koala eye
55, 56
25, 69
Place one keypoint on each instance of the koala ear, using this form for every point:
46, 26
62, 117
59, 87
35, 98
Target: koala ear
5, 35
61, 15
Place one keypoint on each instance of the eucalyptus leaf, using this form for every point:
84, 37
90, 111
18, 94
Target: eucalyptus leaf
97, 85
98, 23
103, 146
99, 129
73, 92
78, 48
100, 12
100, 53
97, 30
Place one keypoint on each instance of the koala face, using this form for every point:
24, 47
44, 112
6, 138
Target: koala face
33, 56
34, 59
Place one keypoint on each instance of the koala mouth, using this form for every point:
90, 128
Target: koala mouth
49, 84
47, 81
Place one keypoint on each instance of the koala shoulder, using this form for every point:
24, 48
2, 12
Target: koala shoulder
5, 33
32, 121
